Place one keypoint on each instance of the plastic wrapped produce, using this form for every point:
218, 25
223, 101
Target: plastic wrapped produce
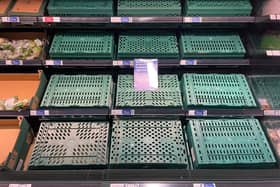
20, 49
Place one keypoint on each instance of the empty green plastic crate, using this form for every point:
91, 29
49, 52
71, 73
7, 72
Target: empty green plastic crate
78, 91
71, 145
80, 45
229, 143
218, 7
267, 90
168, 94
147, 45
272, 127
211, 45
149, 8
148, 143
216, 90
80, 7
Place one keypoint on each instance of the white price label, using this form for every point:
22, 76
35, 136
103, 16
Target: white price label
204, 185
54, 62
20, 185
271, 112
192, 19
273, 17
11, 19
273, 52
188, 62
121, 19
14, 62
123, 112
51, 19
122, 63
39, 113
197, 113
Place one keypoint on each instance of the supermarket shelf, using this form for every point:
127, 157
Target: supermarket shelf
137, 19
100, 63
118, 175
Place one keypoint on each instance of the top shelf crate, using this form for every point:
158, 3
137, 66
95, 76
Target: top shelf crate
80, 8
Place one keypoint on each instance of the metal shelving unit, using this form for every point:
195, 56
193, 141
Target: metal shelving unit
263, 62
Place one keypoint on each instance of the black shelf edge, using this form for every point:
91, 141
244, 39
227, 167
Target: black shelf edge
220, 19
70, 112
215, 62
119, 175
21, 62
49, 20
59, 19
77, 62
188, 113
14, 114
128, 63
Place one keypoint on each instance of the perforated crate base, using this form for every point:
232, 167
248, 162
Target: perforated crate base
149, 8
80, 7
229, 143
81, 45
78, 91
266, 88
168, 94
211, 45
71, 145
148, 143
218, 8
148, 45
216, 90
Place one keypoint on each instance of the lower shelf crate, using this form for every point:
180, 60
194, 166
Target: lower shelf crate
272, 128
148, 143
211, 45
147, 45
168, 94
218, 7
82, 45
71, 145
266, 88
149, 8
229, 143
216, 90
78, 91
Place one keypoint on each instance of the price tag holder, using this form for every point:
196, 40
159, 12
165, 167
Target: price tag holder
198, 113
39, 113
273, 17
192, 19
273, 52
54, 62
51, 19
121, 20
271, 112
188, 62
11, 19
123, 112
204, 185
123, 63
14, 62
20, 185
